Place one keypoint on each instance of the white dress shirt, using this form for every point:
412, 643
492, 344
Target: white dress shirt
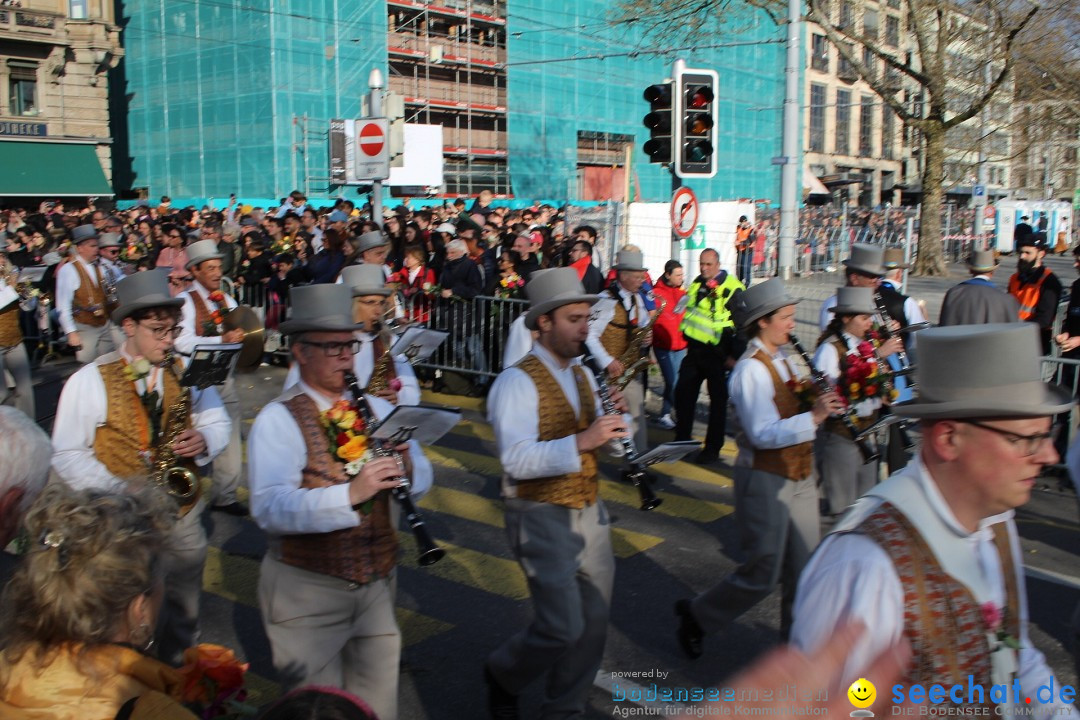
827, 360
826, 315
83, 408
67, 282
277, 455
519, 341
514, 412
851, 577
754, 396
364, 363
604, 312
189, 330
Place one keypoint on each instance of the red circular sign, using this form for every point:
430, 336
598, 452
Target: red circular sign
989, 212
684, 212
371, 139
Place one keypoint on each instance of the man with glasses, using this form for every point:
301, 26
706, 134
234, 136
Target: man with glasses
81, 299
932, 554
326, 582
107, 432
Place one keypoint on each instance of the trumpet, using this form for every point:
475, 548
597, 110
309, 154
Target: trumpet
635, 471
430, 553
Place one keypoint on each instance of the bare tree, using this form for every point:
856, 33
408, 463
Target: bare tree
939, 89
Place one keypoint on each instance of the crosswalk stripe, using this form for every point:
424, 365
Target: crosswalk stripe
681, 506
416, 627
489, 512
495, 575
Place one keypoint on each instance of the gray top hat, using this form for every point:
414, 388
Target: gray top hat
370, 240
982, 261
202, 251
326, 307
143, 290
893, 259
955, 379
762, 299
365, 279
854, 301
866, 259
631, 260
553, 288
82, 233
108, 240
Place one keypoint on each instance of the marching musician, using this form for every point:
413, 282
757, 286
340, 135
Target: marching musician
13, 355
558, 527
81, 299
612, 330
111, 273
848, 356
864, 268
776, 497
372, 248
205, 307
326, 581
109, 428
371, 298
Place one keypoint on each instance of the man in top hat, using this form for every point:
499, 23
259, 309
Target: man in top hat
203, 302
371, 300
82, 301
112, 272
976, 301
13, 355
776, 497
1022, 231
326, 582
613, 328
1035, 287
865, 267
932, 554
558, 527
372, 248
904, 309
711, 352
109, 429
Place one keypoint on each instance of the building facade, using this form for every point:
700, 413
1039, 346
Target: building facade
55, 138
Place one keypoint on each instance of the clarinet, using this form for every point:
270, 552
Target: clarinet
430, 553
635, 473
886, 319
824, 386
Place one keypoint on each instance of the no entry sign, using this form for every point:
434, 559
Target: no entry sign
373, 158
372, 139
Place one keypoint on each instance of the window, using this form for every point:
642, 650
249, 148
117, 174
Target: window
22, 88
817, 118
819, 60
894, 4
843, 122
845, 70
846, 15
869, 59
866, 126
870, 23
888, 132
77, 9
892, 31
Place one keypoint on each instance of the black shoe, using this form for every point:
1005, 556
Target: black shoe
707, 457
502, 704
236, 509
689, 634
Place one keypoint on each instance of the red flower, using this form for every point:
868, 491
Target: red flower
711, 284
991, 615
217, 296
206, 664
866, 348
342, 438
871, 390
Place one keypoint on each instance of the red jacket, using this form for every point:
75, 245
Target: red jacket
666, 334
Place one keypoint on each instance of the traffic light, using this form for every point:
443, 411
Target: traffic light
695, 123
658, 121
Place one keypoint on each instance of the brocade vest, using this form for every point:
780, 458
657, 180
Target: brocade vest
617, 334
358, 554
202, 313
835, 425
558, 420
794, 462
88, 305
942, 620
10, 332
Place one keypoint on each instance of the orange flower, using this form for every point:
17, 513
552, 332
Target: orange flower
205, 664
354, 449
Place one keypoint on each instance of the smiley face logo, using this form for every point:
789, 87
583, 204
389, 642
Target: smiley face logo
862, 693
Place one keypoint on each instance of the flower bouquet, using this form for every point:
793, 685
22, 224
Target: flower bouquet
345, 429
862, 379
805, 391
217, 315
214, 683
510, 286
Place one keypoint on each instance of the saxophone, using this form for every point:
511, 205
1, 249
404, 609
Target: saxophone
168, 471
632, 358
384, 364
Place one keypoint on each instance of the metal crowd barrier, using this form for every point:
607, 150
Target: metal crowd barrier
478, 330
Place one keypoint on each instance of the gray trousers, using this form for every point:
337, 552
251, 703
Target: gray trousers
570, 567
778, 529
96, 341
16, 361
228, 465
184, 560
844, 476
635, 403
327, 631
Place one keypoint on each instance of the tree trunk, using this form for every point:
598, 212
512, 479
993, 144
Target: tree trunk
931, 259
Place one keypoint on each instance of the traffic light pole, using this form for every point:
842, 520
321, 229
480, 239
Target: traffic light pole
676, 241
789, 172
676, 182
375, 102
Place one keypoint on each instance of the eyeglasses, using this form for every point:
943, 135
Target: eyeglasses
334, 349
1028, 445
372, 302
181, 280
160, 333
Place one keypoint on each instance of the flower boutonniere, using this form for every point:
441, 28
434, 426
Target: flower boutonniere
804, 391
211, 327
214, 682
137, 369
992, 618
345, 430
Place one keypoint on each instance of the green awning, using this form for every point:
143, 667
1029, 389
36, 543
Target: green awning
44, 169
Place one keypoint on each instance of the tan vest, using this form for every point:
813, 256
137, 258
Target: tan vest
202, 313
794, 462
10, 332
358, 554
942, 620
557, 420
616, 336
835, 425
88, 305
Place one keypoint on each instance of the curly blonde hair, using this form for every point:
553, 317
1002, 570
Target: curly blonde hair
92, 553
